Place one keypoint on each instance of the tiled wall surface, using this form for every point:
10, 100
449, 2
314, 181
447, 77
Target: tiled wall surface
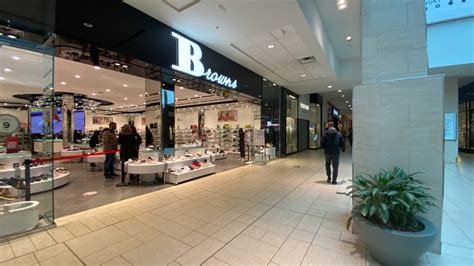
393, 40
398, 111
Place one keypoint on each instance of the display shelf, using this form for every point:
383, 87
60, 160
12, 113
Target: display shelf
176, 178
34, 171
45, 185
186, 161
65, 153
12, 158
145, 168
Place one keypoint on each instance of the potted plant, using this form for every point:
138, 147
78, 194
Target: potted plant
385, 214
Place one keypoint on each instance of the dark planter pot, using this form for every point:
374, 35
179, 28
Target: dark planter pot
391, 247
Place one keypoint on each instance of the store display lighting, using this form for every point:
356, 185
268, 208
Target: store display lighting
347, 101
7, 70
11, 36
15, 57
94, 94
330, 86
350, 106
117, 63
303, 75
271, 46
341, 4
339, 90
97, 67
88, 25
125, 85
107, 90
141, 95
343, 96
63, 83
125, 98
349, 38
77, 76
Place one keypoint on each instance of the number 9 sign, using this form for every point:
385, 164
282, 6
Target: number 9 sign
8, 124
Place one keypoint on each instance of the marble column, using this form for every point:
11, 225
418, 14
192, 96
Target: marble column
398, 110
68, 119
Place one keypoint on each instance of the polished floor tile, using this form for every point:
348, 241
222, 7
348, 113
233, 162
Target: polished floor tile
281, 213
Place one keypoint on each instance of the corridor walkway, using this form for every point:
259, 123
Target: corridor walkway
280, 213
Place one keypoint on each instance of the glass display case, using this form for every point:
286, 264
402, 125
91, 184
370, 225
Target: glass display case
315, 126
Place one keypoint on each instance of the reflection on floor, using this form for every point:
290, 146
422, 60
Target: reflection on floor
458, 210
70, 199
283, 212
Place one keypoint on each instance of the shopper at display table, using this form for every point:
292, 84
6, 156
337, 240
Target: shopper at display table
109, 140
128, 148
93, 142
148, 136
137, 141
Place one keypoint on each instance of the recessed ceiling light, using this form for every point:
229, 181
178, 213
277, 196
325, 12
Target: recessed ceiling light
117, 63
77, 76
349, 38
93, 94
330, 86
5, 104
15, 57
173, 79
2, 78
7, 70
341, 4
195, 95
271, 46
303, 75
339, 90
350, 106
11, 36
88, 25
347, 101
125, 98
97, 67
180, 88
274, 84
178, 80
343, 96
125, 85
141, 95
63, 83
107, 90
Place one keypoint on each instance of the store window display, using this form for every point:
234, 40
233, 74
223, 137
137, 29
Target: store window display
291, 124
26, 174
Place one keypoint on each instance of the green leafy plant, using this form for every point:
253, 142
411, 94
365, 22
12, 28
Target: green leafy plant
390, 199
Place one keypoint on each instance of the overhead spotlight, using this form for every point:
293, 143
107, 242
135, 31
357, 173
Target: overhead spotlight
97, 67
107, 90
125, 85
343, 96
11, 36
15, 57
63, 83
341, 4
141, 95
77, 76
88, 25
173, 79
2, 78
303, 75
271, 46
117, 63
180, 88
94, 94
7, 70
349, 38
339, 90
125, 98
350, 106
274, 84
330, 86
347, 101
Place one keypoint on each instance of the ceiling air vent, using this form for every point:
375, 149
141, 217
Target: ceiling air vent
181, 5
307, 60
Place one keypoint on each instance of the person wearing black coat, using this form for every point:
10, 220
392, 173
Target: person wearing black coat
332, 143
242, 144
94, 140
128, 148
148, 137
138, 141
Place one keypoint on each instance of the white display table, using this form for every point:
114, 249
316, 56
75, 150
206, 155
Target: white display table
9, 159
46, 185
176, 178
34, 171
145, 168
65, 153
45, 146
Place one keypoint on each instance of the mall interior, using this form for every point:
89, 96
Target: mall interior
191, 132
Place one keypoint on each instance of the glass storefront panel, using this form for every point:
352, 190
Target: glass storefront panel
315, 126
27, 136
291, 124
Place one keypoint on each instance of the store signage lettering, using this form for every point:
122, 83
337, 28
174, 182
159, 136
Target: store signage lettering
189, 62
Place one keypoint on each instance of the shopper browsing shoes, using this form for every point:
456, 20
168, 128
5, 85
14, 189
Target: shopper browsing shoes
332, 143
109, 140
128, 148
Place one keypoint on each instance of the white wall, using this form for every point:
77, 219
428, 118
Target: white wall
451, 89
119, 119
451, 43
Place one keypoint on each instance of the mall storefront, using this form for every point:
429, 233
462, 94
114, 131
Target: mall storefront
191, 107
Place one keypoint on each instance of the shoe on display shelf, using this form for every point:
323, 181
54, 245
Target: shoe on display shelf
5, 194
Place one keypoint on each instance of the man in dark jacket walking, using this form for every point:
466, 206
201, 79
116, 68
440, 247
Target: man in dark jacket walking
332, 143
109, 140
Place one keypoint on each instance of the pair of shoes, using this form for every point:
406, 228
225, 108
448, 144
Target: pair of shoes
329, 179
5, 194
334, 182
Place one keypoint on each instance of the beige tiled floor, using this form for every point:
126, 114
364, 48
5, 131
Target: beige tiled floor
275, 214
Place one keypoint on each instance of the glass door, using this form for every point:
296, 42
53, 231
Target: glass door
27, 140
